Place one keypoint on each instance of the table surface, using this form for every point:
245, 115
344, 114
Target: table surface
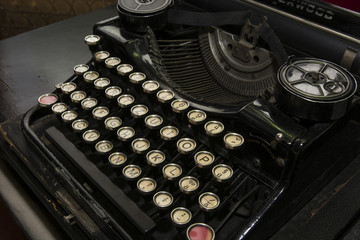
33, 62
30, 65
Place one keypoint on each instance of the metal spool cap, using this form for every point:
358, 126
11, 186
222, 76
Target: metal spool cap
314, 89
136, 15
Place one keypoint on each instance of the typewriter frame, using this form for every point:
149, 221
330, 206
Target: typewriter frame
301, 181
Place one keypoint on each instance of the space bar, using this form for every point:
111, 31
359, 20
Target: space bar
139, 218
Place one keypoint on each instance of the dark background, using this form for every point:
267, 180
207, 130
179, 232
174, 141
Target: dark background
349, 4
18, 16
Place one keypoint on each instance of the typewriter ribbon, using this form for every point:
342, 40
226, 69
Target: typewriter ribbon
137, 15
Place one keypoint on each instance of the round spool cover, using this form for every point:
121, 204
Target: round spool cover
137, 15
144, 6
314, 89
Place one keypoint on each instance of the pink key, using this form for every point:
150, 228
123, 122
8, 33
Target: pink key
47, 100
200, 231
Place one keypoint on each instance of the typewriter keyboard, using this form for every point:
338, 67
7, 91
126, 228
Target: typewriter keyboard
164, 164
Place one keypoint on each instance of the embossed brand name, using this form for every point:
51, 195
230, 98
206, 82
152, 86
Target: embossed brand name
302, 6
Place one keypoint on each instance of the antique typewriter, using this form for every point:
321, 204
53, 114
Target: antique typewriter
195, 122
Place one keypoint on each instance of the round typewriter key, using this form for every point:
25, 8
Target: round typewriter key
100, 113
117, 159
155, 157
92, 40
46, 100
150, 86
188, 184
196, 116
153, 121
112, 123
124, 69
146, 185
90, 76
101, 56
233, 140
113, 92
163, 199
125, 133
68, 87
81, 69
222, 172
90, 136
131, 172
112, 62
181, 216
214, 128
140, 145
137, 77
139, 111
200, 231
80, 125
171, 171
69, 116
125, 100
77, 96
89, 103
204, 159
101, 83
186, 145
179, 105
165, 96
58, 86
59, 108
209, 201
104, 146
169, 133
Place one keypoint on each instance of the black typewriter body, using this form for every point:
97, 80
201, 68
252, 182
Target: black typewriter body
197, 132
